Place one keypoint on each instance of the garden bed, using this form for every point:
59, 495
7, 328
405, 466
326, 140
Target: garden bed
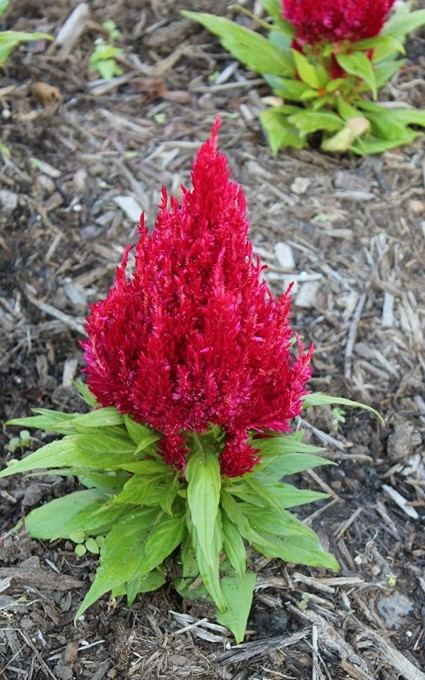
84, 160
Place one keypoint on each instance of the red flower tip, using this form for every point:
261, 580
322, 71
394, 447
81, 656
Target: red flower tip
194, 336
334, 20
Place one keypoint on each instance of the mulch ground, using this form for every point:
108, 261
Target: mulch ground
85, 158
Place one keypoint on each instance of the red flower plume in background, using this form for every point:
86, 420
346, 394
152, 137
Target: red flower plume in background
194, 336
335, 20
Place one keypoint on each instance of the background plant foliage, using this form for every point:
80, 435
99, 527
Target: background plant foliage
9, 40
135, 511
344, 109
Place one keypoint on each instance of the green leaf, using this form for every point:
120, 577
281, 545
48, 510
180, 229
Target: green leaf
203, 496
148, 466
50, 421
357, 64
143, 584
169, 494
285, 495
287, 88
109, 483
92, 546
311, 121
408, 116
96, 518
142, 490
298, 550
402, 23
282, 523
102, 417
11, 39
346, 110
365, 146
383, 46
279, 132
282, 42
385, 71
238, 592
47, 521
291, 464
321, 399
289, 496
306, 71
137, 432
252, 49
121, 555
280, 444
209, 569
234, 513
162, 541
274, 10
105, 451
86, 394
234, 546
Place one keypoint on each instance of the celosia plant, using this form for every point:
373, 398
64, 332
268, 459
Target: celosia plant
325, 61
194, 379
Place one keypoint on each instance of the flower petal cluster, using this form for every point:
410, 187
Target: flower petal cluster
194, 336
335, 20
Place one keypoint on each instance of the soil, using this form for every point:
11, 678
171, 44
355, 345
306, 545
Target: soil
354, 231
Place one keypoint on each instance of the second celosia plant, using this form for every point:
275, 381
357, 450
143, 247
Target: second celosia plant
325, 61
195, 377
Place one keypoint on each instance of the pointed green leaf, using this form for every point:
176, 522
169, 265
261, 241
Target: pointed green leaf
402, 23
137, 431
274, 10
143, 490
409, 116
50, 421
312, 121
289, 496
102, 417
162, 541
383, 46
209, 570
121, 555
279, 132
143, 584
47, 521
252, 49
169, 494
203, 496
234, 546
306, 71
109, 483
287, 88
96, 518
86, 394
298, 550
357, 64
277, 445
321, 399
385, 70
365, 146
105, 451
282, 523
148, 466
238, 592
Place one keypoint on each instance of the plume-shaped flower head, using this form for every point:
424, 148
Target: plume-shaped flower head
336, 20
194, 337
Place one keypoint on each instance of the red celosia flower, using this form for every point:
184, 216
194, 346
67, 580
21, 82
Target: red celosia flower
335, 20
194, 336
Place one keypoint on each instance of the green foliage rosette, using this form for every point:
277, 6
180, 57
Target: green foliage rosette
326, 72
